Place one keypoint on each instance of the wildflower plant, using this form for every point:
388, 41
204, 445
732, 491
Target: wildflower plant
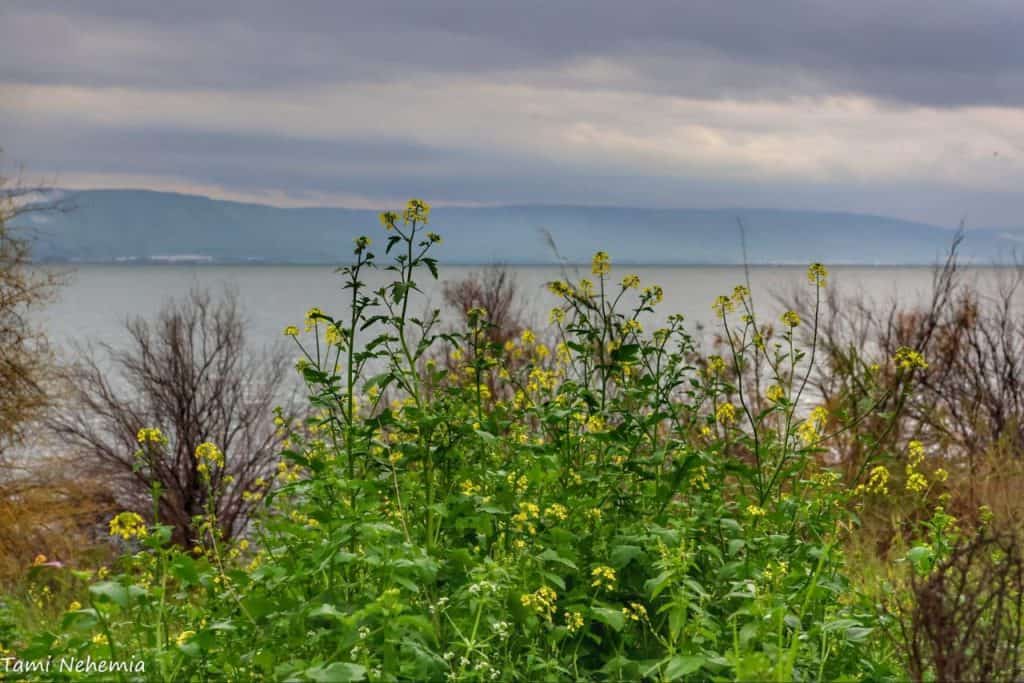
596, 502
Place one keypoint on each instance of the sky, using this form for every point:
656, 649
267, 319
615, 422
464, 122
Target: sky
908, 109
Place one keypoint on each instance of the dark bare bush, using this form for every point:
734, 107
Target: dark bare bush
190, 373
494, 290
25, 358
965, 622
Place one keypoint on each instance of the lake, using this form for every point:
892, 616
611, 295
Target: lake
99, 298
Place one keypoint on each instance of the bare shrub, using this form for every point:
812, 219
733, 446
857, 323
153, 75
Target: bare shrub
190, 373
965, 623
494, 290
25, 359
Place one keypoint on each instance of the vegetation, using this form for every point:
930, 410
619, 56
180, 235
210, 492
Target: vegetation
191, 371
476, 505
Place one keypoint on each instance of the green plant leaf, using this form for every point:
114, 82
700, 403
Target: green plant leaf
338, 672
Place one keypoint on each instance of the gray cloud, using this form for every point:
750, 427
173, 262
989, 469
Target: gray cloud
933, 53
908, 108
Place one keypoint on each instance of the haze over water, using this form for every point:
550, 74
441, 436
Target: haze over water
98, 299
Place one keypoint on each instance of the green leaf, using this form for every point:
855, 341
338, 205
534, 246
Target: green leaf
338, 672
111, 590
626, 353
326, 612
622, 555
184, 568
611, 617
551, 555
682, 665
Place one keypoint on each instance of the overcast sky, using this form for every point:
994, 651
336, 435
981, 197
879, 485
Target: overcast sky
909, 109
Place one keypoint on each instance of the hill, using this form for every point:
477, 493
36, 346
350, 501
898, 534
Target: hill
140, 225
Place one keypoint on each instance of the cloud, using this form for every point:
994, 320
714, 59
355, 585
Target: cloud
931, 53
873, 105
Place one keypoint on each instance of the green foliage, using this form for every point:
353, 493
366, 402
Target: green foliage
605, 506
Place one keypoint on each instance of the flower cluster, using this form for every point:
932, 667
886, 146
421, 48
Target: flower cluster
208, 455
603, 577
152, 436
416, 211
817, 274
878, 481
725, 414
542, 601
573, 621
908, 359
128, 525
916, 481
601, 264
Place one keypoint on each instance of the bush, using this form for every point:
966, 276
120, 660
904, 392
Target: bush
191, 371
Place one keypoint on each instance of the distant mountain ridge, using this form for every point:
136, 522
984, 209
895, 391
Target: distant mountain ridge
142, 225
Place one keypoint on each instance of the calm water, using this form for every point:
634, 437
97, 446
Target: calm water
98, 299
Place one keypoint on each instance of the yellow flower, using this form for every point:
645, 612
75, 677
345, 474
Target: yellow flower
740, 293
528, 337
151, 435
632, 325
909, 359
74, 606
128, 525
808, 429
725, 414
723, 305
291, 331
791, 318
715, 365
434, 238
601, 264
312, 316
388, 219
775, 393
916, 482
631, 281
915, 452
603, 577
634, 611
573, 621
654, 294
756, 511
333, 336
940, 474
878, 481
542, 601
417, 211
817, 274
184, 637
362, 242
557, 511
99, 639
559, 288
209, 453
